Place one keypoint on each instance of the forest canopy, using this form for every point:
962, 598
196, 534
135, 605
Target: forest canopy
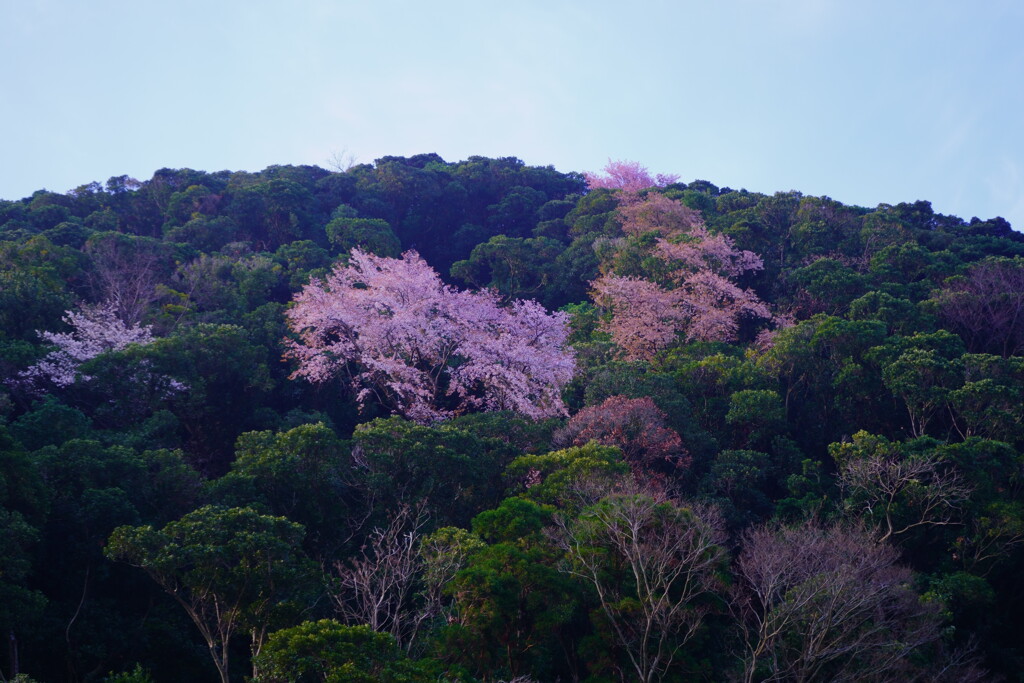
423, 420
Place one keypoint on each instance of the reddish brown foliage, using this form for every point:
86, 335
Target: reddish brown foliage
986, 306
635, 425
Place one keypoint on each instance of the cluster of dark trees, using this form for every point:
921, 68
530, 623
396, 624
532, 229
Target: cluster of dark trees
832, 491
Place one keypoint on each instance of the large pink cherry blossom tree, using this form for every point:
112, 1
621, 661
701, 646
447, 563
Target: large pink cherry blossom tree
398, 335
697, 296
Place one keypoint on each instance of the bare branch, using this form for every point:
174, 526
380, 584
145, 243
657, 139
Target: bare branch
810, 599
650, 562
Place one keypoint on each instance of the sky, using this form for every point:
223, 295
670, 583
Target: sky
868, 102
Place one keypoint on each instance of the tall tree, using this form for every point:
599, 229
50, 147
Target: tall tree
652, 562
827, 604
691, 289
229, 568
646, 317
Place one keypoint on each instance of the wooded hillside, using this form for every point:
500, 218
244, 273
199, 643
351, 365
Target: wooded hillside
419, 420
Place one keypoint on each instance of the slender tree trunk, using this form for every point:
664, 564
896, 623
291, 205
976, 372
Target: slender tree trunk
12, 649
221, 660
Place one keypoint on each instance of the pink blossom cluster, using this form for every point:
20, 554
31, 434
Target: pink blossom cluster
647, 317
95, 329
765, 339
699, 250
628, 176
701, 302
424, 349
660, 214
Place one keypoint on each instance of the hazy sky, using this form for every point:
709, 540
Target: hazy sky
865, 101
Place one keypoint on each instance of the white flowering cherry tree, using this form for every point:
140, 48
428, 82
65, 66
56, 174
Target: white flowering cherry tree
95, 329
423, 349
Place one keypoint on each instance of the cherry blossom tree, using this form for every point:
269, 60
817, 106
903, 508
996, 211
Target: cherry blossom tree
645, 317
628, 176
700, 301
423, 349
95, 329
697, 249
660, 214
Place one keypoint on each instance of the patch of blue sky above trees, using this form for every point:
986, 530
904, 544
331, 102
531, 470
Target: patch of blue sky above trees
866, 102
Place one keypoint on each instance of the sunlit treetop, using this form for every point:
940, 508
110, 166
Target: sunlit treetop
628, 176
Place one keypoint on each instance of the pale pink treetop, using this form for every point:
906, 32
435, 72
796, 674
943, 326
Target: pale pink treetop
424, 349
646, 318
703, 303
628, 176
765, 339
95, 329
701, 250
658, 213
715, 305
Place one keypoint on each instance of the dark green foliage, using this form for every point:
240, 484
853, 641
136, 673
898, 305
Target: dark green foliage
897, 338
303, 474
454, 472
554, 478
224, 378
828, 286
515, 267
328, 652
514, 605
372, 235
231, 569
737, 481
50, 423
35, 286
90, 490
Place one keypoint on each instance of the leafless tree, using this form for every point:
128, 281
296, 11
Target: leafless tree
650, 561
827, 603
902, 491
125, 274
986, 306
341, 161
376, 586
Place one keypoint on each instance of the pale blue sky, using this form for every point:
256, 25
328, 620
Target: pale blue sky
865, 101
